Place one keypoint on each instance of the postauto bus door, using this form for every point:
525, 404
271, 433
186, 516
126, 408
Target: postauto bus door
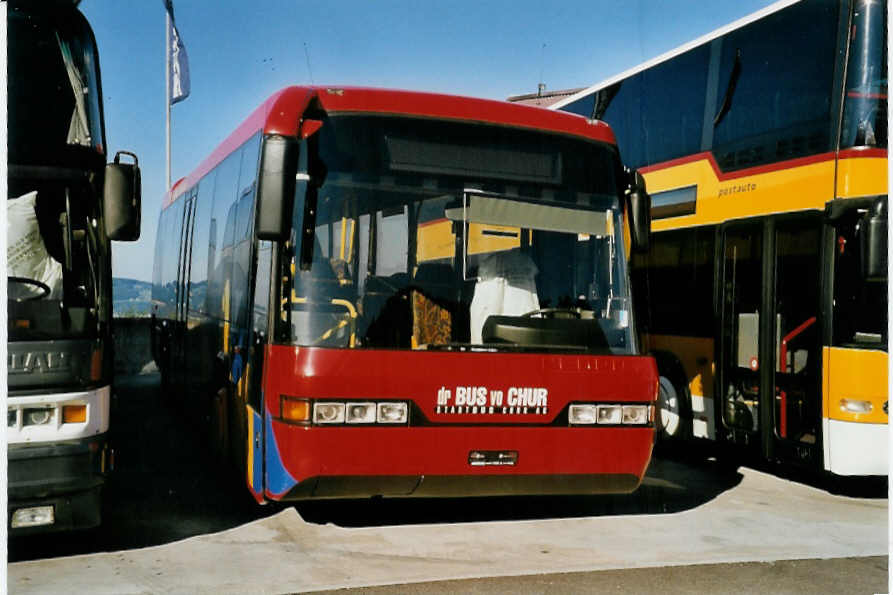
741, 302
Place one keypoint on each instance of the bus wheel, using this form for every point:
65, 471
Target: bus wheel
670, 413
674, 421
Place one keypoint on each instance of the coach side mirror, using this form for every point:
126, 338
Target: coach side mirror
121, 199
276, 187
873, 244
639, 212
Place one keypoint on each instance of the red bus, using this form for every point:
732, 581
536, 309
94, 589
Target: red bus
394, 293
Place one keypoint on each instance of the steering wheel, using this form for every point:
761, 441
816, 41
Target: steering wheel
553, 313
43, 287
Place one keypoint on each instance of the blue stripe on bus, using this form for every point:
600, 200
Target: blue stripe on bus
279, 480
257, 467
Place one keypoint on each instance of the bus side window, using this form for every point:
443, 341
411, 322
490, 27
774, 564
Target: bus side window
241, 257
229, 232
225, 188
202, 255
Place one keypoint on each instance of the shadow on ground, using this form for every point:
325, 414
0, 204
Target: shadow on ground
167, 487
669, 486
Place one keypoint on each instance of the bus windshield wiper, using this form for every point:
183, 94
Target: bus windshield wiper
730, 90
504, 346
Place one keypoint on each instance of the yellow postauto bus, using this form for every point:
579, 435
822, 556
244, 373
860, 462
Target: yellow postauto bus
764, 293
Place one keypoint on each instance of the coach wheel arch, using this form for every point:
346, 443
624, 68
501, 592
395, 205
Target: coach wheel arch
674, 401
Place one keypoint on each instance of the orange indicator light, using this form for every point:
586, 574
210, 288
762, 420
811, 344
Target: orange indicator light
74, 414
295, 410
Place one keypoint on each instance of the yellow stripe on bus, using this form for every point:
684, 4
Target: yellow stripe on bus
250, 418
856, 375
735, 198
861, 177
805, 184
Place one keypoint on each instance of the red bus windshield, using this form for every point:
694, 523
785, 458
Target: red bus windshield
491, 237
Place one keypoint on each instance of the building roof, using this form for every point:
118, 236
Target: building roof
543, 98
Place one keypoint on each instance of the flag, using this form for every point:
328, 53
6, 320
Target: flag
178, 61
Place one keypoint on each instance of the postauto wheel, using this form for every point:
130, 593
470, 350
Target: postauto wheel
670, 404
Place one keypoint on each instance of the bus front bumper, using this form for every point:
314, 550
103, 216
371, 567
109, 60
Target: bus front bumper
437, 461
856, 448
55, 487
453, 486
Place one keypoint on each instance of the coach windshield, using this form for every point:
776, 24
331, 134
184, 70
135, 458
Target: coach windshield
55, 116
57, 256
428, 235
865, 100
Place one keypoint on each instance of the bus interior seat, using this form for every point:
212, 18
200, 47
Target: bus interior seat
385, 319
39, 255
434, 301
506, 286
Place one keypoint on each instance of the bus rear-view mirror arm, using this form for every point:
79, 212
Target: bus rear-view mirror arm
874, 242
639, 212
121, 199
276, 187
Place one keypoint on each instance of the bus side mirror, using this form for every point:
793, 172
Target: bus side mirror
639, 212
873, 243
121, 199
276, 188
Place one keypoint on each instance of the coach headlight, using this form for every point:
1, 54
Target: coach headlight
34, 516
38, 416
856, 406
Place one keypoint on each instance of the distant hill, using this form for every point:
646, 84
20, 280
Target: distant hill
132, 298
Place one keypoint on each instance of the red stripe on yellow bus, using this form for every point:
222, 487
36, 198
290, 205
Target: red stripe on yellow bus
740, 173
789, 186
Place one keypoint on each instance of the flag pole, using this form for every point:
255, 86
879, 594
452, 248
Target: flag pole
167, 97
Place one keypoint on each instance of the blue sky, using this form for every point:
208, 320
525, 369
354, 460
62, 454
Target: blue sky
241, 52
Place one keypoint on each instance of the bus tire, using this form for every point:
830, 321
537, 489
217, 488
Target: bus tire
674, 402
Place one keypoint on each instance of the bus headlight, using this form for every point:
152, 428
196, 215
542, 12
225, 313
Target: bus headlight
581, 414
38, 416
392, 413
34, 516
635, 414
328, 413
609, 414
856, 406
361, 413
